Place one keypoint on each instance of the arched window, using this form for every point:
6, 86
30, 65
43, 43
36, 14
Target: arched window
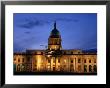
18, 67
23, 59
94, 60
18, 59
85, 61
89, 61
79, 60
48, 60
85, 68
95, 68
64, 60
42, 53
90, 68
23, 67
78, 52
71, 61
58, 60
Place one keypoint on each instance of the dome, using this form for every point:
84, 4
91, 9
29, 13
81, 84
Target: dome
55, 32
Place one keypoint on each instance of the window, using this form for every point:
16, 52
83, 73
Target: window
28, 59
64, 52
85, 68
14, 59
23, 59
79, 60
18, 67
79, 68
23, 67
58, 68
85, 61
90, 68
64, 61
78, 52
48, 60
18, 59
89, 61
95, 68
42, 53
54, 60
94, 60
48, 67
71, 61
58, 60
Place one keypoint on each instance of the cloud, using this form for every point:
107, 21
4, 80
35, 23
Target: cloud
67, 20
32, 23
27, 32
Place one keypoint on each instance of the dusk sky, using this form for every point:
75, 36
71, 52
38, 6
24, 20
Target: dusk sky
78, 31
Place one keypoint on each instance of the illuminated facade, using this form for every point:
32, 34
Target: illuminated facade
54, 58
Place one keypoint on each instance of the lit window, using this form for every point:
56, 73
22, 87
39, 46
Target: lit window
79, 60
85, 68
48, 60
85, 61
18, 59
48, 66
89, 61
23, 59
64, 61
71, 61
42, 53
58, 60
95, 68
90, 68
53, 60
94, 60
78, 52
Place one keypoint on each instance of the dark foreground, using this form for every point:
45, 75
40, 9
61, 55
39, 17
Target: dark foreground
52, 73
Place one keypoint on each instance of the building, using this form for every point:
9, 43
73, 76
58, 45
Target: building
54, 58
